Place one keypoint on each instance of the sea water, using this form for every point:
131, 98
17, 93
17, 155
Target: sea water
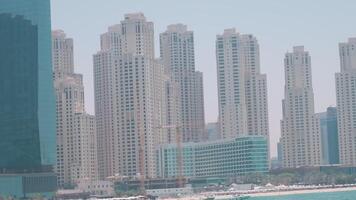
349, 195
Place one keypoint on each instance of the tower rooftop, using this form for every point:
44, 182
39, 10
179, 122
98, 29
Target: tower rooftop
177, 28
352, 40
135, 16
298, 49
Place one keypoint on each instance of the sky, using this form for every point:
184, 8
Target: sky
279, 25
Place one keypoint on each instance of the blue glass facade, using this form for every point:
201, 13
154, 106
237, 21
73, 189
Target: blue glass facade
220, 158
27, 104
329, 136
28, 185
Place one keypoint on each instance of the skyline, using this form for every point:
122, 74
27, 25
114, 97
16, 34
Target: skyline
273, 38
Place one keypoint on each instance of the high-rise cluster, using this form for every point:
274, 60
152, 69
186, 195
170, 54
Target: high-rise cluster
243, 109
140, 100
325, 138
146, 107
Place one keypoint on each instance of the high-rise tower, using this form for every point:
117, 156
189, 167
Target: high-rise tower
125, 101
27, 104
178, 56
76, 134
300, 128
346, 102
242, 89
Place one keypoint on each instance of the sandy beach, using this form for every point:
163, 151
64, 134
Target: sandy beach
270, 192
303, 191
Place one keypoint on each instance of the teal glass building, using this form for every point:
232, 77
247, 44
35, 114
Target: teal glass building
329, 136
27, 103
220, 158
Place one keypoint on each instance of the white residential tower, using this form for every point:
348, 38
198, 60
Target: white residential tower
127, 81
242, 89
76, 134
346, 102
300, 128
178, 56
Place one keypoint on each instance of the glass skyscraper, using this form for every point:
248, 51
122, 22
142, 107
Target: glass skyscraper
27, 104
329, 136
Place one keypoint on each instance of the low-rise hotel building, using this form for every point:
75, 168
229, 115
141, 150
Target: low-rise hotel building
221, 158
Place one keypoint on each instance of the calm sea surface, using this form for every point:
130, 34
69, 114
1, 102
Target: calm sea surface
351, 195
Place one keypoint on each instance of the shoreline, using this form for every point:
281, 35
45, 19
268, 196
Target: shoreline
302, 191
268, 193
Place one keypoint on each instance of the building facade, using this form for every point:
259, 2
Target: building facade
87, 166
27, 111
346, 102
212, 131
178, 56
221, 158
329, 136
172, 108
300, 128
242, 89
62, 54
279, 152
76, 145
125, 100
99, 188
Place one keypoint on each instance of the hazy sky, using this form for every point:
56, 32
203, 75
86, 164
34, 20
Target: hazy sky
279, 25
